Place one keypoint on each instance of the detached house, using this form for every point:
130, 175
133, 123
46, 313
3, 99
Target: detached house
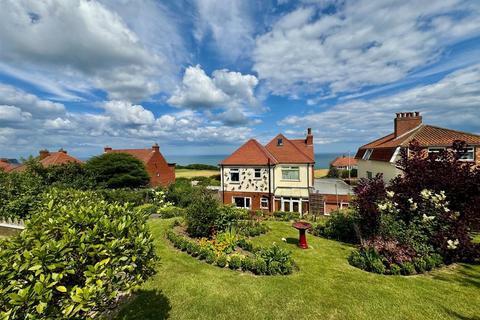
277, 176
160, 171
47, 158
344, 163
381, 155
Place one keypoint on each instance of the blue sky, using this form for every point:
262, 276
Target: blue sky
203, 76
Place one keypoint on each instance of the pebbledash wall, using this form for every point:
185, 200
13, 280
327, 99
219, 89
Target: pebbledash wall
280, 194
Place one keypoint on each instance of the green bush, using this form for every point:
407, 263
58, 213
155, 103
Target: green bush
118, 170
171, 212
286, 216
202, 214
395, 269
339, 226
136, 197
76, 255
367, 259
280, 258
180, 192
247, 264
222, 261
210, 257
407, 268
251, 228
235, 262
259, 266
147, 208
245, 244
228, 216
420, 265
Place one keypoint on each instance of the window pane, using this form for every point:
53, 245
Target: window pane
291, 174
239, 202
247, 203
257, 173
234, 176
468, 154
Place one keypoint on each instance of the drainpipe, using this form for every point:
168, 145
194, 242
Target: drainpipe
223, 185
269, 188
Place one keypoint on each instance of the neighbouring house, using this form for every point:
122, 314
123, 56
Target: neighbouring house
330, 194
6, 165
381, 155
160, 171
344, 163
47, 158
277, 176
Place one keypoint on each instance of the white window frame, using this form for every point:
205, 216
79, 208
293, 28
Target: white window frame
367, 154
344, 205
291, 168
291, 200
262, 200
234, 170
244, 202
259, 171
466, 152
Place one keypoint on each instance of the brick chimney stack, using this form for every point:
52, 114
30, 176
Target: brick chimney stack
106, 149
44, 153
309, 138
406, 121
156, 148
62, 150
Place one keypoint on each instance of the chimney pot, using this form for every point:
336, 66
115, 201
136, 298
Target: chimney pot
156, 147
62, 150
309, 138
107, 148
406, 122
44, 153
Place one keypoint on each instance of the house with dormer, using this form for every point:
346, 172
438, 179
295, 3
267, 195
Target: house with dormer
272, 177
382, 155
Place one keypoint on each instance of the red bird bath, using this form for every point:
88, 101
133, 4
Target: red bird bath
302, 226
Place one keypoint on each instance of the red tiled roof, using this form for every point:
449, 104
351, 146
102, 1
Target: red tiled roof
344, 161
250, 153
6, 166
58, 158
143, 155
305, 148
425, 135
289, 152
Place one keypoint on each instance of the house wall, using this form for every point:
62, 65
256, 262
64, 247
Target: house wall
294, 188
387, 168
227, 198
248, 182
161, 174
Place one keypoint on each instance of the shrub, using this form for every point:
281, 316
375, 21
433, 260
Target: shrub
228, 216
368, 193
395, 269
210, 257
251, 228
367, 259
171, 212
407, 268
77, 255
136, 197
247, 264
235, 262
286, 216
180, 192
147, 208
280, 258
201, 215
245, 244
259, 266
420, 265
118, 170
222, 261
340, 226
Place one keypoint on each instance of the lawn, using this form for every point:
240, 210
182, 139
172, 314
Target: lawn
325, 287
190, 173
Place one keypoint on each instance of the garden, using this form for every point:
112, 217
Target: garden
99, 243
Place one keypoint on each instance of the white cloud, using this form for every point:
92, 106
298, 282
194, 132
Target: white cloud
363, 43
80, 43
13, 114
453, 102
229, 23
125, 113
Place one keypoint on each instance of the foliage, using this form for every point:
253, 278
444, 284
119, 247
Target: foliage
368, 193
228, 216
286, 215
333, 172
278, 260
235, 261
171, 212
125, 195
341, 226
251, 227
180, 192
76, 255
201, 214
118, 170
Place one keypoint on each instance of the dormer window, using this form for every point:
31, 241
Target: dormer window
367, 154
279, 142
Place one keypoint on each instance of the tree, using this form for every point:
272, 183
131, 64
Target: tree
118, 170
333, 172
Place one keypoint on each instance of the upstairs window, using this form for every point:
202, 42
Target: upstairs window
367, 154
468, 154
279, 142
291, 173
258, 173
234, 175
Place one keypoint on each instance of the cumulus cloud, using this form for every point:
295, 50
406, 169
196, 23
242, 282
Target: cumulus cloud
124, 112
452, 102
363, 43
13, 114
79, 43
231, 92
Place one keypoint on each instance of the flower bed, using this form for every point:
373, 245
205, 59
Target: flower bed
227, 250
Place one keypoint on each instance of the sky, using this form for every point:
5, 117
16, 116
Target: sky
203, 76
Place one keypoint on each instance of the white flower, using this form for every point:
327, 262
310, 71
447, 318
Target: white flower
446, 209
413, 206
284, 240
452, 244
427, 218
382, 206
425, 193
390, 194
410, 200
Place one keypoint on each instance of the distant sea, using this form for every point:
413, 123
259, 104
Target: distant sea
322, 160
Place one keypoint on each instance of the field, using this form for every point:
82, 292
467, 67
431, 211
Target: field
189, 173
325, 287
320, 173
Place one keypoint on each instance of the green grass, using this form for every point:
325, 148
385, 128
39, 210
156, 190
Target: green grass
190, 173
325, 287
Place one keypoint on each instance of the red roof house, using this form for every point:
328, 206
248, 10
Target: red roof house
6, 166
381, 155
344, 163
47, 158
160, 171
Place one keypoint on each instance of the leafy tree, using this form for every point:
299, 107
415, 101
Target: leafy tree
202, 214
333, 172
118, 170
